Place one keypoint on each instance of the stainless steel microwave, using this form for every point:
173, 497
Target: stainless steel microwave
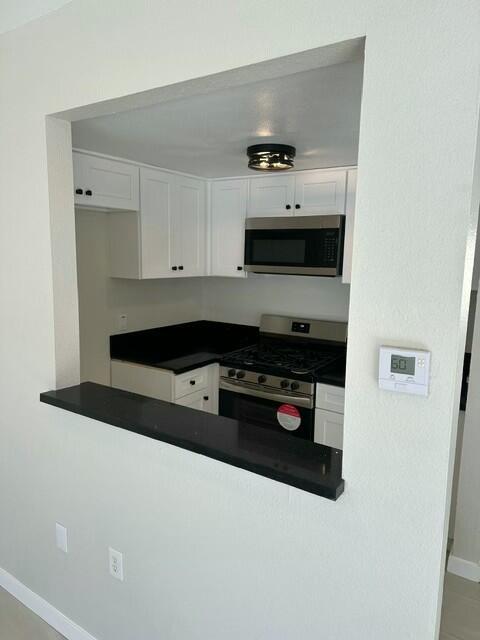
295, 245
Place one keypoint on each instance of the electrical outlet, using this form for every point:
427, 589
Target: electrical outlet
122, 322
61, 537
115, 563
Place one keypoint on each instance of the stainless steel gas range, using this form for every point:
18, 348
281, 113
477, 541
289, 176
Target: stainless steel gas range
272, 384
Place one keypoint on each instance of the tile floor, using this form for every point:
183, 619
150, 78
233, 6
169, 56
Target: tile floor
461, 609
460, 618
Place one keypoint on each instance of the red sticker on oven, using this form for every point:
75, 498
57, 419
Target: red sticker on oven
289, 417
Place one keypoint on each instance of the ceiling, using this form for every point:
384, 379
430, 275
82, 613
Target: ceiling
15, 13
316, 111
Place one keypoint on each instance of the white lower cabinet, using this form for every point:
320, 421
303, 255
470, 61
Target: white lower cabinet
328, 428
329, 403
200, 400
197, 389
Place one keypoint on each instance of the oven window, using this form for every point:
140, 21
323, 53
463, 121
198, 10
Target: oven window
279, 251
262, 413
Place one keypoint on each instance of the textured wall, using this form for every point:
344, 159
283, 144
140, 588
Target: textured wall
213, 551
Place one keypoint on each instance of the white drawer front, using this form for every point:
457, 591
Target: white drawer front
330, 398
328, 428
190, 382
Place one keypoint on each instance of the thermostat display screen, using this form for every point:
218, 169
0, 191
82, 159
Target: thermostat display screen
402, 364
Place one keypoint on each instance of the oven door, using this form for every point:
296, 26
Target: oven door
273, 410
307, 245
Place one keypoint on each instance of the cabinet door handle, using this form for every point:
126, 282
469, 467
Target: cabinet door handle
88, 192
192, 382
297, 206
205, 398
288, 206
239, 268
174, 268
78, 192
181, 267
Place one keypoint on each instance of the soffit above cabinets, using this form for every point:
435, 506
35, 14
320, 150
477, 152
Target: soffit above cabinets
317, 111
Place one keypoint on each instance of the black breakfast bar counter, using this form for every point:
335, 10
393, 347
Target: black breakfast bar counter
293, 461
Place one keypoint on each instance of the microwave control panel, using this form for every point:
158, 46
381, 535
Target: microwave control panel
404, 370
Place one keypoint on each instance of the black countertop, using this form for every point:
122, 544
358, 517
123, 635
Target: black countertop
293, 461
182, 347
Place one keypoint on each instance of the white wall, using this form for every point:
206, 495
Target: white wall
244, 300
147, 303
213, 551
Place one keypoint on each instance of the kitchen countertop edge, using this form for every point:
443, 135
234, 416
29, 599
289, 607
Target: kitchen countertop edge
331, 489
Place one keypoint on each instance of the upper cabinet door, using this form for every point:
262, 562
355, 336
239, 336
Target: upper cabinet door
320, 192
156, 228
190, 227
103, 183
349, 224
227, 224
271, 196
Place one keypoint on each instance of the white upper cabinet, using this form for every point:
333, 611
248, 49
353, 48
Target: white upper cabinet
228, 209
156, 223
158, 219
167, 238
104, 183
189, 227
271, 196
302, 193
320, 192
349, 224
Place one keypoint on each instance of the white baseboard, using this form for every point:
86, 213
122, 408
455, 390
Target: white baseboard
463, 568
42, 608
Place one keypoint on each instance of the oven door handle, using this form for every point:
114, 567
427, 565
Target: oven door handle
243, 388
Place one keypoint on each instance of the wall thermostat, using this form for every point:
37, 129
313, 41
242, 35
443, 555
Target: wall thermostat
404, 370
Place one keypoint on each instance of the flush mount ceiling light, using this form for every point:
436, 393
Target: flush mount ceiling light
270, 157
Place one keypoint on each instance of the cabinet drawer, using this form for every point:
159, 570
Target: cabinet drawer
330, 398
190, 382
328, 428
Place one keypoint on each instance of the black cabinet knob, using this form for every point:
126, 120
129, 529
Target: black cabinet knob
239, 268
180, 268
174, 268
88, 192
205, 398
192, 382
288, 206
79, 192
297, 206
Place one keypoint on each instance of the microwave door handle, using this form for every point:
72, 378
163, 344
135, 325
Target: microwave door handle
305, 402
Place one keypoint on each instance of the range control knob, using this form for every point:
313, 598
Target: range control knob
284, 384
262, 379
231, 373
240, 374
294, 386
